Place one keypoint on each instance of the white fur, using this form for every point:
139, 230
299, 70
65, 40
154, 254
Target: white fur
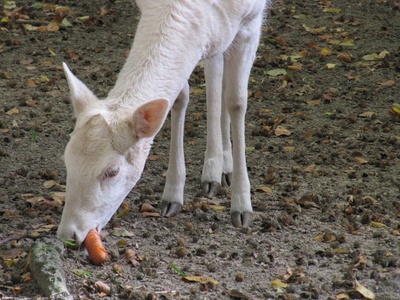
115, 134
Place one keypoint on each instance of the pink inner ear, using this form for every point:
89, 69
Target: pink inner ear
152, 115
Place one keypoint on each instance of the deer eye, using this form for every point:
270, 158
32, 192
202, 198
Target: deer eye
111, 172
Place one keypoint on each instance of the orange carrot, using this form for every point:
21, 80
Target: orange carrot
97, 253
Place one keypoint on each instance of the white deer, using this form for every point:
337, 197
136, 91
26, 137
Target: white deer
108, 149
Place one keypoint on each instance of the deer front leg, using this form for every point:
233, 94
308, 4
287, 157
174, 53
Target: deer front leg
237, 66
172, 198
213, 159
227, 167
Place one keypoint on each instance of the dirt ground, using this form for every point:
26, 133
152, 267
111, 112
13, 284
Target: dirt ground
323, 154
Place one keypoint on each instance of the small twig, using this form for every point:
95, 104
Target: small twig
18, 237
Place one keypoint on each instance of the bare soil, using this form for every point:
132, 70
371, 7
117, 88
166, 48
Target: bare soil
323, 156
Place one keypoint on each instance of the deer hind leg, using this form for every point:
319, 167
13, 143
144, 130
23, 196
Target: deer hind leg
237, 65
172, 198
213, 159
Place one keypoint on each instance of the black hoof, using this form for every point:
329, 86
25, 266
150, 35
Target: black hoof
169, 209
244, 219
226, 179
210, 189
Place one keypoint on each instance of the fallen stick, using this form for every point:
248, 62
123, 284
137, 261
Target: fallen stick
46, 268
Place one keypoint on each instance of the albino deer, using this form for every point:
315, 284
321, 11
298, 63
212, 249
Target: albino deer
108, 149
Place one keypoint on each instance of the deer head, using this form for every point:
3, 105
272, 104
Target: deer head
105, 156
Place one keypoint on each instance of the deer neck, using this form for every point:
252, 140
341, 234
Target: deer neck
160, 62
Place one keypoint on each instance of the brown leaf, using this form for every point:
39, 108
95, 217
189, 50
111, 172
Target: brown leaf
360, 160
264, 188
72, 55
281, 41
13, 111
150, 214
153, 157
387, 83
344, 57
314, 102
146, 207
103, 11
102, 288
280, 130
7, 75
30, 83
133, 257
31, 102
307, 201
200, 279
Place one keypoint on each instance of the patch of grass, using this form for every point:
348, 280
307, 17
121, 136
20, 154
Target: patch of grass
179, 271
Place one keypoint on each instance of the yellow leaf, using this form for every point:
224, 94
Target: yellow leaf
396, 108
13, 111
276, 283
314, 30
289, 148
52, 53
377, 224
218, 208
276, 72
198, 91
331, 10
330, 66
49, 183
325, 51
9, 5
363, 290
84, 18
200, 279
341, 251
342, 296
264, 188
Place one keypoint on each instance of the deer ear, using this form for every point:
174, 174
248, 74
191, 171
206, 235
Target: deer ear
149, 117
81, 95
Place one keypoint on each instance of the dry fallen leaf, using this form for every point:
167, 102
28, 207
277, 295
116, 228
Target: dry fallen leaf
218, 208
102, 288
147, 207
13, 111
325, 51
264, 188
280, 130
146, 214
277, 283
133, 257
363, 290
387, 83
342, 296
200, 279
377, 224
344, 57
